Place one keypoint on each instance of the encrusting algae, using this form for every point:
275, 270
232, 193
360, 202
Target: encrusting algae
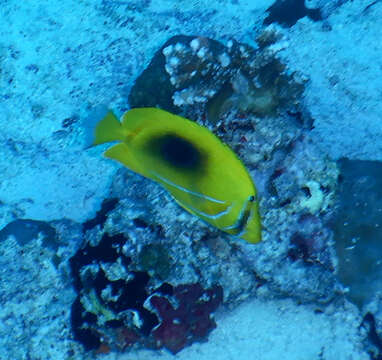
201, 172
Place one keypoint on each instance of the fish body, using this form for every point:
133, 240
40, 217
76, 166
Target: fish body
202, 173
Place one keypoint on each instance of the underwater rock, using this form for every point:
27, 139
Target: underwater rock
25, 230
153, 86
182, 62
297, 256
373, 342
36, 292
288, 12
131, 270
372, 322
119, 306
358, 228
101, 215
326, 7
154, 259
250, 100
193, 251
205, 74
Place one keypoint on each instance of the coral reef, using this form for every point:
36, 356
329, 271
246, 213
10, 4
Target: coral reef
190, 70
245, 95
118, 306
190, 319
252, 102
249, 99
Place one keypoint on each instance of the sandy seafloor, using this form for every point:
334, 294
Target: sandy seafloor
60, 59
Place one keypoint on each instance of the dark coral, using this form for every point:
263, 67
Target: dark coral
153, 86
88, 337
190, 320
288, 12
120, 308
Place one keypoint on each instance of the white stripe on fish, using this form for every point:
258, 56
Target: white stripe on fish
202, 213
205, 197
239, 224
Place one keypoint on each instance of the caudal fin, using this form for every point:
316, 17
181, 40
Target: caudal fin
108, 129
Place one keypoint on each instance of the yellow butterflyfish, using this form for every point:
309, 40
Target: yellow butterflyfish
201, 172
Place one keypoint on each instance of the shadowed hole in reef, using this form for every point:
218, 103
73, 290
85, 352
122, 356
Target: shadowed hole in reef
358, 228
116, 306
288, 12
368, 322
90, 285
101, 216
88, 338
24, 230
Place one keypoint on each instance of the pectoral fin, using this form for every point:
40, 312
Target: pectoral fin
121, 153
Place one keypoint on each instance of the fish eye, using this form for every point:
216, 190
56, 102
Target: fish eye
252, 198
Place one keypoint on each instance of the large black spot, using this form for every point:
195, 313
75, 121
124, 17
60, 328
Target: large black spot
178, 152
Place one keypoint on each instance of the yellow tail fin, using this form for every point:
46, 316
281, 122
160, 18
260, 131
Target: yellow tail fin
108, 129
